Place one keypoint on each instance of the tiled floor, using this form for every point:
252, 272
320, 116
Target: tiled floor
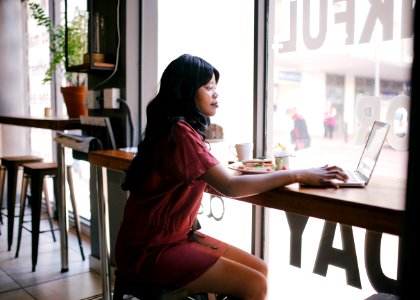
18, 282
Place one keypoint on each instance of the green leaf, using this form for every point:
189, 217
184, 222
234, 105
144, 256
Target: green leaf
77, 40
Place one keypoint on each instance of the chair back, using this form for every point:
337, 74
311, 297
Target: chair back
98, 131
99, 128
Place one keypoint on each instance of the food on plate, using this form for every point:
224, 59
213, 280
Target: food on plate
258, 164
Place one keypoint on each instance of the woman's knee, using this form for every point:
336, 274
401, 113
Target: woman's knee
263, 268
247, 259
260, 265
258, 287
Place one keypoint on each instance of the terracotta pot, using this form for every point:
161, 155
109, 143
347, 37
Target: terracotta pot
75, 100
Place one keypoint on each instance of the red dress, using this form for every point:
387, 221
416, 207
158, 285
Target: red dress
153, 244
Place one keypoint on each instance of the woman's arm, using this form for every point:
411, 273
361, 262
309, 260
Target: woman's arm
234, 186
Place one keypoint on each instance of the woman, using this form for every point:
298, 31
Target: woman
166, 180
330, 120
299, 135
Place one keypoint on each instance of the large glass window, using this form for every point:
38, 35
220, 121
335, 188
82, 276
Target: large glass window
339, 65
41, 97
220, 32
39, 94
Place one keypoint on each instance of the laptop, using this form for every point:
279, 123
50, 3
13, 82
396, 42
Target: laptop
361, 176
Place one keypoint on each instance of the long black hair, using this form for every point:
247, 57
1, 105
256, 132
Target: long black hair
175, 101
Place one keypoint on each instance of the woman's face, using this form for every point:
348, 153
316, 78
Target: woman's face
206, 98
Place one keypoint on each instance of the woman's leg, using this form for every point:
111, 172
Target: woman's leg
237, 273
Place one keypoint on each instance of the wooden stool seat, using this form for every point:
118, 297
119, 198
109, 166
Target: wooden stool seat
150, 292
383, 296
10, 165
36, 173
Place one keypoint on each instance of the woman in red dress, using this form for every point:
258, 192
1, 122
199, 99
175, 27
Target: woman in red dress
166, 180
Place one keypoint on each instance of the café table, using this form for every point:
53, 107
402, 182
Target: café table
55, 124
378, 207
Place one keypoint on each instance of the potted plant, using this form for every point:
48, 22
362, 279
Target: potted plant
74, 93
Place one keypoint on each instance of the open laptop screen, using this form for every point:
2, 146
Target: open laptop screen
372, 149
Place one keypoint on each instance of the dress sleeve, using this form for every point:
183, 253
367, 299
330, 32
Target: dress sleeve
191, 157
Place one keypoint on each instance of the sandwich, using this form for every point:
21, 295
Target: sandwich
258, 163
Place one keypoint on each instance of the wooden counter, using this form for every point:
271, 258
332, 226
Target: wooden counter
378, 207
112, 159
53, 123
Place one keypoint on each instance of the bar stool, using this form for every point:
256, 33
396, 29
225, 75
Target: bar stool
11, 166
36, 173
151, 292
383, 296
24, 195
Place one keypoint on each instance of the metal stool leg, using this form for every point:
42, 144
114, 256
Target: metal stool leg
48, 206
36, 197
2, 177
12, 175
75, 212
118, 290
23, 195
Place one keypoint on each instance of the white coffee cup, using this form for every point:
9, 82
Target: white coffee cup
243, 151
47, 112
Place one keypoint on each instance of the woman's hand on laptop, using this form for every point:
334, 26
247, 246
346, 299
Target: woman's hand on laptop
323, 176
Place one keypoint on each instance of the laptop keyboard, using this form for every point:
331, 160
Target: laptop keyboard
353, 176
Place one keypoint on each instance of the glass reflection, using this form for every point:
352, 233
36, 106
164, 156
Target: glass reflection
342, 65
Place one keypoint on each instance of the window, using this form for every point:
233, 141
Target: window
41, 96
353, 56
221, 32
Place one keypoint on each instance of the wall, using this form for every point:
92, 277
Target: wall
13, 85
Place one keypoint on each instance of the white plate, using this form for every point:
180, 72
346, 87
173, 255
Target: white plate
237, 166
